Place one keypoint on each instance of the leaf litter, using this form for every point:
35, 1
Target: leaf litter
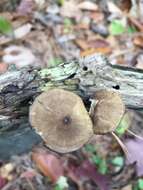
44, 33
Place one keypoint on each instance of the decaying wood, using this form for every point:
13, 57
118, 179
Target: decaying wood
84, 77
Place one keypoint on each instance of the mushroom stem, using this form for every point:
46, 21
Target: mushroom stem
124, 148
132, 133
92, 106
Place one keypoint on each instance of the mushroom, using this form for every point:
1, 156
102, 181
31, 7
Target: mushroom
106, 111
62, 120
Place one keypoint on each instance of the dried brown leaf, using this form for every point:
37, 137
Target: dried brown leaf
70, 9
25, 7
88, 5
136, 23
97, 16
138, 41
82, 44
48, 164
3, 68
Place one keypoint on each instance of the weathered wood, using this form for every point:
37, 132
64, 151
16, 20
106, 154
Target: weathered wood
84, 76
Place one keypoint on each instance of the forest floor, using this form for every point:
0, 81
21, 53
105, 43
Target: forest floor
46, 33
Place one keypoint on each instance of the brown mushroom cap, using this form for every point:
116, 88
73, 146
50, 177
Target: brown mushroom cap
62, 119
108, 111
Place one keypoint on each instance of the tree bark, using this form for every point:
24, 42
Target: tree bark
85, 76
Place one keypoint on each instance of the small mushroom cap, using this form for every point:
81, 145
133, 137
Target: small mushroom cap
62, 120
108, 111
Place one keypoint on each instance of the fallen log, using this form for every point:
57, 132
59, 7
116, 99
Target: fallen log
85, 76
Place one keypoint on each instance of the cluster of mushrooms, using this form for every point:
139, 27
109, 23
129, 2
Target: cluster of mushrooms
65, 125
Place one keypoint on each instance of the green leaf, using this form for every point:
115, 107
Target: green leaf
5, 26
67, 25
54, 62
123, 125
135, 187
131, 30
90, 148
61, 183
116, 27
118, 160
96, 159
103, 167
57, 188
140, 184
61, 2
67, 22
118, 163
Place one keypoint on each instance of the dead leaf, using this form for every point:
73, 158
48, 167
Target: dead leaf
65, 38
70, 9
98, 43
18, 55
48, 164
5, 171
87, 52
127, 187
97, 16
104, 50
113, 8
140, 8
88, 5
134, 147
9, 16
5, 40
22, 31
82, 44
126, 6
83, 26
28, 174
25, 7
3, 68
114, 43
139, 64
124, 176
3, 182
136, 23
40, 4
19, 21
87, 171
138, 41
93, 46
